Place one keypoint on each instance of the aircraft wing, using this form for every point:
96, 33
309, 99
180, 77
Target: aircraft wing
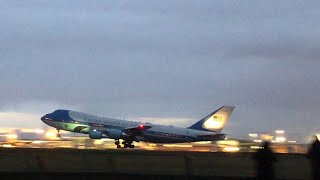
141, 127
137, 129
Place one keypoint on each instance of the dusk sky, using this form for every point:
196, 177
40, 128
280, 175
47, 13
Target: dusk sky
167, 62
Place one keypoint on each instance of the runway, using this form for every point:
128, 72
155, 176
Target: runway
83, 142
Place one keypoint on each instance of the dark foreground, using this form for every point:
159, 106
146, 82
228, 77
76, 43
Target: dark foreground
126, 164
90, 176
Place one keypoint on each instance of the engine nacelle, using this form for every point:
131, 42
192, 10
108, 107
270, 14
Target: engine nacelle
115, 134
95, 134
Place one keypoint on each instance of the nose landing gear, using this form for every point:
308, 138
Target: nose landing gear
117, 142
58, 134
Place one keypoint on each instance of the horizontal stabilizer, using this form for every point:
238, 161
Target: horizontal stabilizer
215, 137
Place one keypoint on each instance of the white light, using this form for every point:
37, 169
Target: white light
228, 142
36, 142
253, 135
255, 147
7, 145
12, 136
51, 135
257, 140
292, 141
280, 139
231, 149
152, 145
39, 131
176, 145
202, 142
280, 131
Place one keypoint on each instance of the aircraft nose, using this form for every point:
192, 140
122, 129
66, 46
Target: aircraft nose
45, 117
42, 118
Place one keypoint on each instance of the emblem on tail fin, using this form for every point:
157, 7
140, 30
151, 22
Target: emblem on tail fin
214, 122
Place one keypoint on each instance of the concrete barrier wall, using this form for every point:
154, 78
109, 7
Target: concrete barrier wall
128, 161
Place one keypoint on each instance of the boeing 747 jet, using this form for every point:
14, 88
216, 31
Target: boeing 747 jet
207, 129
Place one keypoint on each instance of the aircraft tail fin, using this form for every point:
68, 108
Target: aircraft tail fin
215, 121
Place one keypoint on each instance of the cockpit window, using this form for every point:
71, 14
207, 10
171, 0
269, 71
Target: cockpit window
58, 111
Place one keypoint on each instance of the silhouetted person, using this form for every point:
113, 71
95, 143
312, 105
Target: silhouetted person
265, 159
314, 155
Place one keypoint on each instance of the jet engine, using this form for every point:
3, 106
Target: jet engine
115, 134
95, 134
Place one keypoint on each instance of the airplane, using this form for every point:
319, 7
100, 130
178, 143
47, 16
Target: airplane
207, 129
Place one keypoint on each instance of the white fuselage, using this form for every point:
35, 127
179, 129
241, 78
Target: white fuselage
84, 123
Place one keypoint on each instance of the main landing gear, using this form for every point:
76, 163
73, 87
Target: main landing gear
58, 134
126, 144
